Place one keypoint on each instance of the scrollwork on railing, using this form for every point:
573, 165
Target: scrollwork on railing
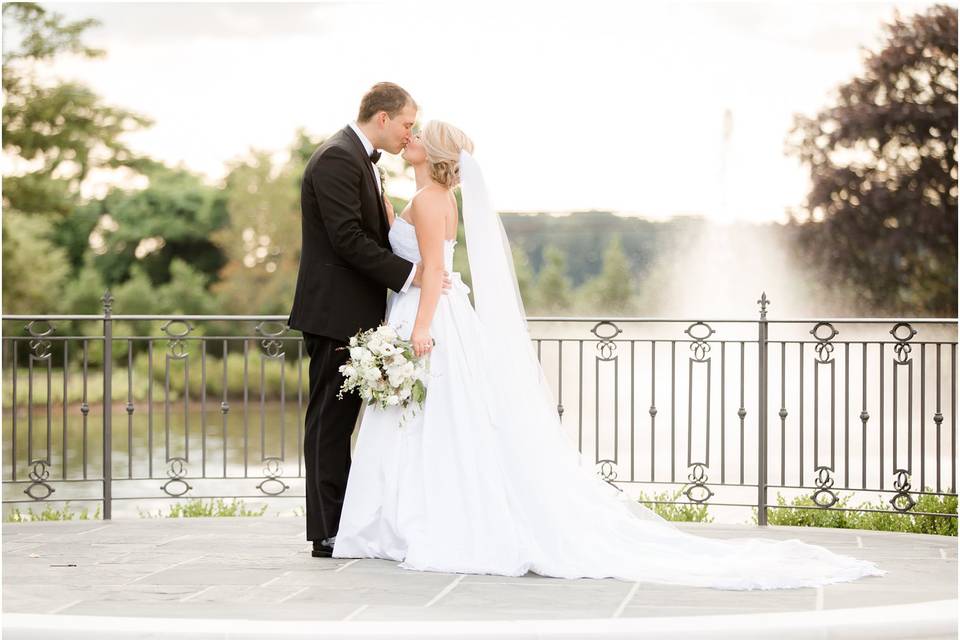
903, 348
271, 346
699, 346
902, 501
824, 496
698, 491
607, 470
177, 346
606, 347
39, 347
38, 476
272, 471
176, 471
824, 346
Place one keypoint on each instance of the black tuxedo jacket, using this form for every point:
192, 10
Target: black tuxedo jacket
346, 263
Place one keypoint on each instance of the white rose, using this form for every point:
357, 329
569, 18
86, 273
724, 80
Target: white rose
348, 371
356, 352
386, 331
393, 400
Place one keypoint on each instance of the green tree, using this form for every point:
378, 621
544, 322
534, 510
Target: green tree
56, 132
34, 268
173, 217
881, 215
612, 291
262, 240
525, 278
553, 285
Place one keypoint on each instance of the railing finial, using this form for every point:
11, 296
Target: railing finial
107, 302
763, 302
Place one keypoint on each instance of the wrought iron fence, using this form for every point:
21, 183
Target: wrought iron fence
196, 383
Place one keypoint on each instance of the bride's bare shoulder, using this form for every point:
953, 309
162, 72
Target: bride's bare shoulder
430, 203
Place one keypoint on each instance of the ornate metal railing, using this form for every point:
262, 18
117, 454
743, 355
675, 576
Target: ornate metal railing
196, 383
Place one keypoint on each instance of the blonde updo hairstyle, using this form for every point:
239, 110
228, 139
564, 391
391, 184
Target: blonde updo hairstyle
443, 143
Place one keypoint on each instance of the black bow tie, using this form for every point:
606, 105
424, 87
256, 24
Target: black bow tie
374, 156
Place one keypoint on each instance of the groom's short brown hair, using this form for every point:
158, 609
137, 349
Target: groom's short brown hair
383, 96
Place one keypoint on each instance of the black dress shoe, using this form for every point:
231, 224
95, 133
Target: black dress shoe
321, 550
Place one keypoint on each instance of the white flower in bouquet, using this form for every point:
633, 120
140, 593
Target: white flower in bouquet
384, 370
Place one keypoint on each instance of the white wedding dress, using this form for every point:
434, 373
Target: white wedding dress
481, 480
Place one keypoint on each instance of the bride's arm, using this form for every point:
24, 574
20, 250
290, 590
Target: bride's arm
428, 214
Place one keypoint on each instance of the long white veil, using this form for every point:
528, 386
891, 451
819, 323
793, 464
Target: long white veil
527, 414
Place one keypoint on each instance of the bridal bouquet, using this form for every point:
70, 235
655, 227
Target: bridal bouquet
383, 369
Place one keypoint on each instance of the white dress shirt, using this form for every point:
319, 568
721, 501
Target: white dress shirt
368, 147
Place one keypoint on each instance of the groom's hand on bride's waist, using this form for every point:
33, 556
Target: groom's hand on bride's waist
446, 282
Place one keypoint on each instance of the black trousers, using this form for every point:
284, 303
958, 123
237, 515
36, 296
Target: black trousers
328, 426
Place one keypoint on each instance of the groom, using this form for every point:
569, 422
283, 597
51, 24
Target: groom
346, 266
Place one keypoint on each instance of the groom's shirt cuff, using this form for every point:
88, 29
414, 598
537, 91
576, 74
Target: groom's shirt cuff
406, 285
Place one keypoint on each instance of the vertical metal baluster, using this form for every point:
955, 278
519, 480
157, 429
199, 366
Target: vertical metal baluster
149, 408
910, 417
616, 409
783, 412
30, 406
596, 409
263, 407
653, 406
938, 422
166, 405
225, 407
864, 416
953, 417
742, 412
107, 406
85, 406
880, 398
283, 403
633, 424
186, 399
846, 414
49, 359
66, 363
723, 410
673, 411
560, 380
833, 414
923, 414
800, 469
203, 407
13, 434
763, 336
580, 402
129, 408
246, 402
816, 413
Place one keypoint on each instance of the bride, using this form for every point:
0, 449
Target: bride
482, 478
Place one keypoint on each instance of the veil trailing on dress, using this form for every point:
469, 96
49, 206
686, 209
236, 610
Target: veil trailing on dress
567, 522
521, 385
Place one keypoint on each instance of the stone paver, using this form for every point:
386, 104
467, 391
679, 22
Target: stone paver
261, 569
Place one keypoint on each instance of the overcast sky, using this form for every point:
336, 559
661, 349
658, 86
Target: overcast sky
606, 105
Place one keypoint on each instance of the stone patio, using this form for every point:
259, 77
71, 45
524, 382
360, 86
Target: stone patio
255, 578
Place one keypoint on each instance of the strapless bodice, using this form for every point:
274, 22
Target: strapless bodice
403, 241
